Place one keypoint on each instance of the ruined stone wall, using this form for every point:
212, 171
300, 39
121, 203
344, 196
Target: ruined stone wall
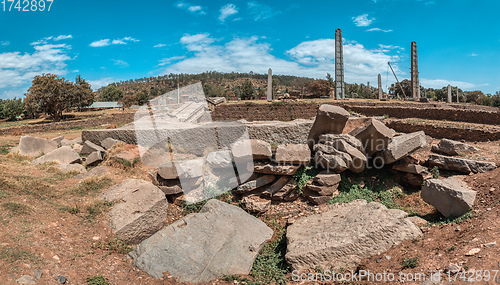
65, 125
289, 111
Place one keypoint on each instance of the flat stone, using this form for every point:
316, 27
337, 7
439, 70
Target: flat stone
334, 140
293, 154
140, 212
66, 142
33, 146
94, 158
327, 179
63, 155
94, 172
329, 120
316, 198
357, 163
451, 147
417, 221
374, 136
220, 159
77, 147
414, 169
401, 146
58, 140
345, 234
460, 164
171, 190
260, 149
71, 167
192, 168
451, 196
204, 246
255, 205
89, 147
254, 184
285, 191
26, 279
276, 186
276, 169
108, 143
323, 190
337, 162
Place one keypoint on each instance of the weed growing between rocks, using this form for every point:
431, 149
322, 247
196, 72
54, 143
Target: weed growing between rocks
410, 262
304, 174
116, 246
97, 280
96, 209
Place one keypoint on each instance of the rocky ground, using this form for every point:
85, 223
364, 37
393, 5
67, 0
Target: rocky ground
56, 228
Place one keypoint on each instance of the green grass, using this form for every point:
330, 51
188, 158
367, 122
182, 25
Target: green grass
351, 192
410, 262
435, 172
75, 128
117, 246
96, 209
97, 280
72, 210
4, 150
92, 185
304, 174
270, 265
16, 208
12, 255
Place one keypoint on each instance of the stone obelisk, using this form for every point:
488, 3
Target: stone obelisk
270, 85
339, 66
380, 91
449, 93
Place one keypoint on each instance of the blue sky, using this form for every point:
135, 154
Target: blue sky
105, 41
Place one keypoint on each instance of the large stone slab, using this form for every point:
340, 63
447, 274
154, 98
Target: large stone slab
451, 147
63, 155
33, 146
293, 154
219, 240
374, 136
275, 169
451, 196
401, 146
345, 234
140, 211
89, 147
260, 149
330, 120
108, 143
460, 164
254, 184
94, 158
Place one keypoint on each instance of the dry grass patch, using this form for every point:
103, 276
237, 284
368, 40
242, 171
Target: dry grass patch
92, 185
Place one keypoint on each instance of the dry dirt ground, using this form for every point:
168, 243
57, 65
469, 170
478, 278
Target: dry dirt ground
51, 222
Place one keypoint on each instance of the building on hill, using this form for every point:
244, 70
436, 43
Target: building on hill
105, 105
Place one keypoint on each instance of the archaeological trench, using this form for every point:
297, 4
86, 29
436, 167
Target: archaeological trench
255, 158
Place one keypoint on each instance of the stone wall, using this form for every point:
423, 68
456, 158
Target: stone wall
65, 125
289, 111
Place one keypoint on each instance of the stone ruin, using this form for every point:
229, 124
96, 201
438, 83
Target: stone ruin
256, 162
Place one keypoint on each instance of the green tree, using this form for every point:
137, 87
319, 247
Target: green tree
111, 94
11, 108
330, 80
142, 97
321, 88
83, 95
247, 90
51, 95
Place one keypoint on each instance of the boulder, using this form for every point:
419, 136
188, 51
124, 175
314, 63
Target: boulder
220, 159
94, 158
329, 120
77, 147
276, 169
168, 171
63, 155
276, 186
293, 154
140, 211
451, 147
460, 164
327, 179
71, 167
357, 163
451, 196
33, 146
316, 198
108, 143
184, 169
204, 246
413, 169
171, 190
89, 147
260, 149
355, 122
66, 142
345, 234
374, 136
335, 140
254, 184
401, 146
94, 172
254, 204
58, 140
323, 190
336, 162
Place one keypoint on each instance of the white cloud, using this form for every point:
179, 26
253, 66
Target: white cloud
63, 37
169, 60
378, 30
120, 62
100, 43
226, 11
440, 83
160, 45
473, 54
260, 11
4, 43
195, 9
18, 69
107, 42
310, 58
98, 83
363, 20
